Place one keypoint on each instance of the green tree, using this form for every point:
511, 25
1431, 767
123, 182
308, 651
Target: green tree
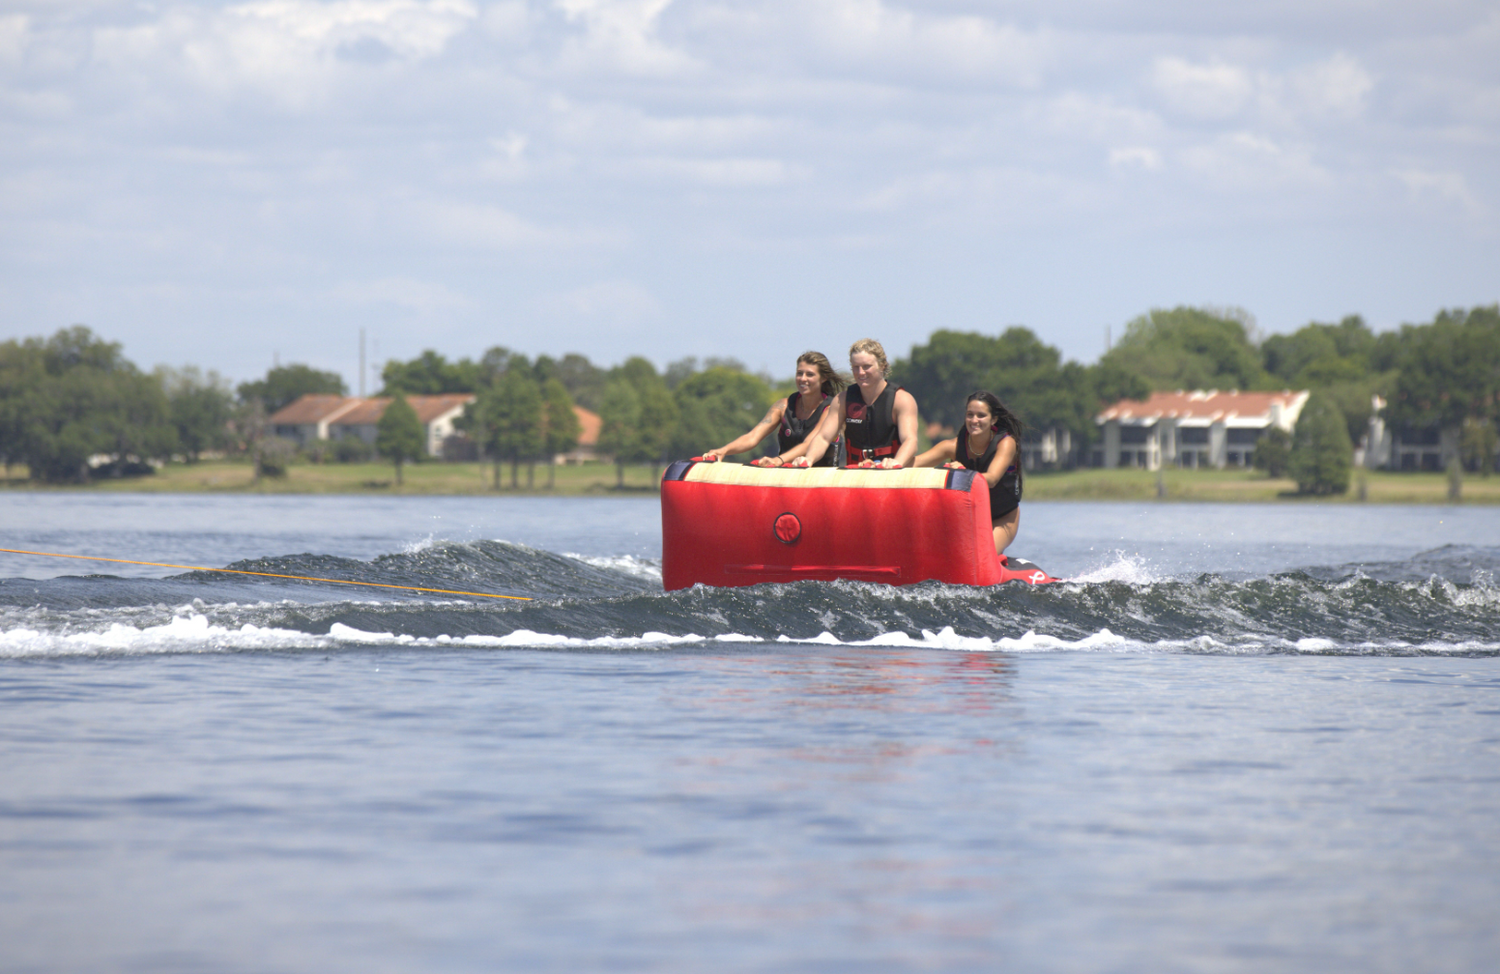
560, 426
506, 421
1338, 360
398, 435
1449, 370
715, 406
652, 420
285, 384
201, 408
1273, 451
1321, 456
429, 374
1320, 354
620, 431
1190, 348
72, 396
1027, 374
1477, 444
584, 381
21, 371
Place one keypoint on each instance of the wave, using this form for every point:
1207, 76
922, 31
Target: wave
1443, 602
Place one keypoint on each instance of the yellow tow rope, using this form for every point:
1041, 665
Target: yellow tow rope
240, 571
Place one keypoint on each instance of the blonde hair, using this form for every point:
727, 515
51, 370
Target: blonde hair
832, 382
870, 346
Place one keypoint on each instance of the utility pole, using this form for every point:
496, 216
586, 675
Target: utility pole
361, 363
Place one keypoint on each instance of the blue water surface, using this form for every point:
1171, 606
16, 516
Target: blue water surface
294, 803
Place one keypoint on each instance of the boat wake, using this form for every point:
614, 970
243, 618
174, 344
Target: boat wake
1443, 602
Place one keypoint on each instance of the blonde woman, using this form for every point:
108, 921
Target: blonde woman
795, 417
876, 419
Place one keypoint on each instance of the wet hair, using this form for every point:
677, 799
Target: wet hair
1002, 421
870, 346
833, 383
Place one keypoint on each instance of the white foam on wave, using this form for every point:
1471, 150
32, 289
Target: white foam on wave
624, 564
1131, 569
194, 633
183, 634
947, 638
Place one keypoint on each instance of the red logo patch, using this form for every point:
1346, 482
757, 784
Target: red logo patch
787, 528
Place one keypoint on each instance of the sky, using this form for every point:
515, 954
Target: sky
232, 184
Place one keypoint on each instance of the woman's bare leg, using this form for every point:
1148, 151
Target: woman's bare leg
1005, 530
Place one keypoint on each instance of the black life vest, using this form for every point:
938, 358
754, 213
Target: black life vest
1005, 496
870, 429
793, 431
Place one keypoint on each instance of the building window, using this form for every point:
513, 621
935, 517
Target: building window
1193, 435
1242, 437
1134, 434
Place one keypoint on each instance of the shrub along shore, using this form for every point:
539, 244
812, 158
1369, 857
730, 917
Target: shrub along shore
599, 480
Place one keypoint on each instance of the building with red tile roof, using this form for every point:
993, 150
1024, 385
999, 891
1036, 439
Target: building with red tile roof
589, 425
325, 417
1192, 429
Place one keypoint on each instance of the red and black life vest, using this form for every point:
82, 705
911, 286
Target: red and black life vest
1005, 496
870, 429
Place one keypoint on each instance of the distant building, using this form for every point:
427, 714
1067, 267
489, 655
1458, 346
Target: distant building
308, 417
1409, 448
325, 417
1192, 429
589, 425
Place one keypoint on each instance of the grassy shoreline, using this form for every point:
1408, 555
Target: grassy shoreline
599, 480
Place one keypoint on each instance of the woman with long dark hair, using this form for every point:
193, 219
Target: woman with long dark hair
988, 444
794, 418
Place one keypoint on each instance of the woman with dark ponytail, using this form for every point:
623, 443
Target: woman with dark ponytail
990, 445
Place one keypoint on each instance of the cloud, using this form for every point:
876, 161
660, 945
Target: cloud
1336, 86
425, 298
1450, 189
13, 35
614, 302
1207, 91
1245, 162
488, 227
292, 50
369, 149
621, 35
727, 173
1135, 157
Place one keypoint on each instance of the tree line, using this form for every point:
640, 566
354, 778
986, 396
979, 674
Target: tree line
74, 396
523, 412
1445, 373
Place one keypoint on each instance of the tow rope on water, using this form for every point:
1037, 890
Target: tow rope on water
241, 571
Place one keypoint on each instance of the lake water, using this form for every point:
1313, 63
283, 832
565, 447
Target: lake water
1244, 738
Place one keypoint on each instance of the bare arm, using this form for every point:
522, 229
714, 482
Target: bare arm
940, 454
758, 432
905, 409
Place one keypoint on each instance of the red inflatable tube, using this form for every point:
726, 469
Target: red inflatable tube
729, 524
